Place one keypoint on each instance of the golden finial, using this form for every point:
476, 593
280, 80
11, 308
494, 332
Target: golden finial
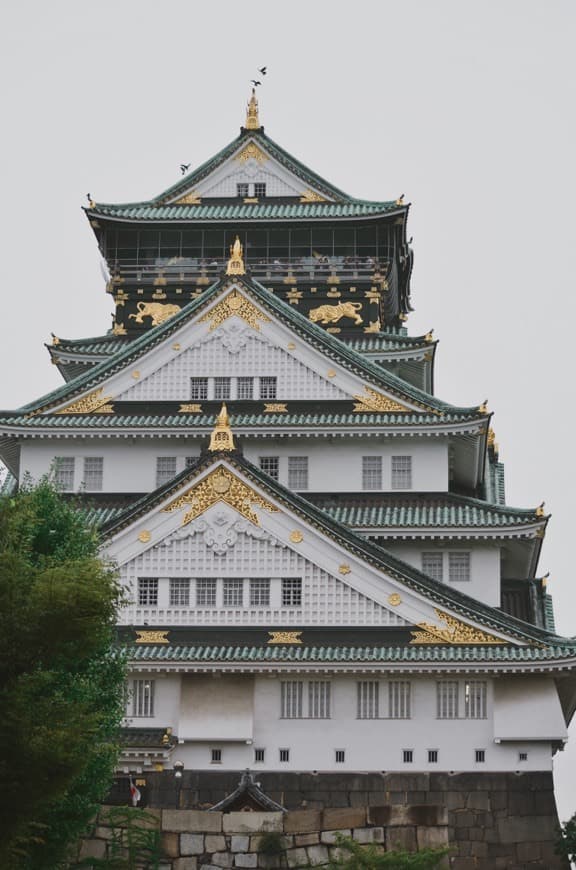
55, 339
252, 120
483, 409
544, 579
429, 336
540, 509
167, 737
400, 200
222, 437
236, 262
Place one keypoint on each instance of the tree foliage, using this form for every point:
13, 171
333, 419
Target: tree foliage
354, 856
566, 845
61, 683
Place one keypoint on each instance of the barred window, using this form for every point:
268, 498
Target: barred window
259, 755
407, 756
432, 756
64, 472
458, 566
93, 473
522, 756
245, 388
205, 593
292, 592
143, 698
148, 591
433, 565
199, 388
475, 693
399, 699
479, 756
242, 189
284, 754
371, 472
367, 699
222, 388
267, 388
233, 593
216, 756
291, 699
447, 699
401, 472
340, 756
165, 469
259, 593
319, 699
179, 592
270, 465
260, 188
298, 472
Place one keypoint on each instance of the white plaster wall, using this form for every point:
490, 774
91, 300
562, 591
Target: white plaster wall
166, 701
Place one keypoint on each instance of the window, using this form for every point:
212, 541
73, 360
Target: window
522, 756
199, 388
318, 699
291, 699
407, 756
399, 699
222, 388
179, 592
245, 388
259, 593
165, 469
216, 756
447, 700
367, 699
298, 472
432, 756
93, 473
292, 592
475, 699
267, 388
242, 189
371, 472
479, 756
458, 566
259, 755
260, 188
233, 593
270, 465
340, 756
205, 593
401, 472
143, 698
433, 565
284, 754
64, 472
147, 591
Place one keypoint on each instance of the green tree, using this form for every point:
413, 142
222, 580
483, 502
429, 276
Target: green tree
567, 842
354, 856
61, 681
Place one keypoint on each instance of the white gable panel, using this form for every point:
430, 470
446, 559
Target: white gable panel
232, 348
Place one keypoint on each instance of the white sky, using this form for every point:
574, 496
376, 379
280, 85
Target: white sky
466, 106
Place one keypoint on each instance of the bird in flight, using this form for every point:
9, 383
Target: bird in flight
255, 83
184, 167
263, 70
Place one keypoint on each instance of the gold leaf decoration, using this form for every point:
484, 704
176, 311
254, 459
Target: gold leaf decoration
152, 637
234, 304
190, 408
275, 408
374, 401
310, 195
374, 326
144, 536
285, 637
296, 537
344, 569
453, 631
220, 485
93, 403
191, 198
251, 152
394, 599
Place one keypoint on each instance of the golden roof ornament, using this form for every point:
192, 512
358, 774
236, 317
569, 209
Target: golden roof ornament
252, 120
236, 262
222, 437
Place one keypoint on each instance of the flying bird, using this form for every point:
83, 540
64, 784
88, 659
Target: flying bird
255, 83
263, 70
184, 167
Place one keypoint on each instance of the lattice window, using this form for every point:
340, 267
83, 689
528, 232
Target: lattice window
292, 592
291, 693
242, 189
458, 566
143, 698
399, 694
319, 699
205, 592
367, 699
245, 388
93, 473
447, 699
179, 592
64, 472
199, 389
371, 472
148, 591
270, 465
165, 469
401, 472
259, 593
475, 695
433, 565
268, 387
233, 593
222, 388
260, 188
298, 472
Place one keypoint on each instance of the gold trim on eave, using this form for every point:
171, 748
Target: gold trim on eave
152, 637
234, 305
285, 637
93, 403
220, 485
452, 632
374, 401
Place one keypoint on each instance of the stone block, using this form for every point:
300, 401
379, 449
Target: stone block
271, 862
330, 837
302, 821
92, 849
317, 855
478, 800
402, 838
297, 857
103, 833
246, 860
464, 864
478, 849
237, 843
251, 823
170, 843
358, 798
526, 829
192, 844
344, 817
191, 821
185, 864
307, 839
379, 815
217, 843
222, 859
455, 800
528, 851
521, 803
432, 838
368, 835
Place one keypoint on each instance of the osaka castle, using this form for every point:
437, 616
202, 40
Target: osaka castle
322, 574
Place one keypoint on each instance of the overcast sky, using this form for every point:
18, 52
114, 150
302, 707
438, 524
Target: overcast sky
466, 107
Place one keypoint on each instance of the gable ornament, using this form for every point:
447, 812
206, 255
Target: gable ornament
453, 632
222, 437
374, 401
236, 262
234, 305
93, 403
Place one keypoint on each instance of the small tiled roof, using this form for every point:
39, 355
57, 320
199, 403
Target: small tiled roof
143, 738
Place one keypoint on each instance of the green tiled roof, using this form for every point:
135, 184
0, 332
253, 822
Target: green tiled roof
351, 655
100, 345
8, 485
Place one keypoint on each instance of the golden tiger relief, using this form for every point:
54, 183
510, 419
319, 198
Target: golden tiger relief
334, 313
158, 312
